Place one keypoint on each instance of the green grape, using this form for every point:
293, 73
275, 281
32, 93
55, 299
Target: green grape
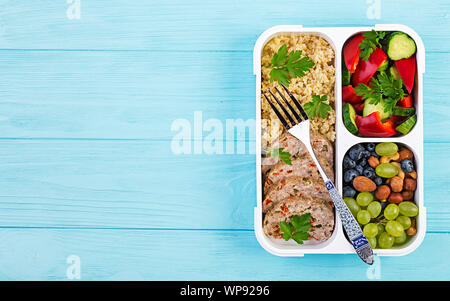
363, 217
385, 241
374, 209
380, 229
370, 230
408, 209
391, 212
352, 205
404, 221
400, 239
386, 170
372, 242
364, 198
394, 228
386, 148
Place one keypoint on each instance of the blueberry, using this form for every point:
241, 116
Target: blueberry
370, 147
383, 205
365, 154
355, 152
348, 192
348, 163
378, 180
369, 172
407, 165
374, 154
349, 175
362, 162
359, 169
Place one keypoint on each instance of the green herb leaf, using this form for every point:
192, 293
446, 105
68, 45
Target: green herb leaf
299, 237
370, 42
317, 107
288, 65
297, 229
301, 223
287, 229
384, 87
283, 156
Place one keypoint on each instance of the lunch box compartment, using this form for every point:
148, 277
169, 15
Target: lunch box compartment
416, 91
420, 219
338, 243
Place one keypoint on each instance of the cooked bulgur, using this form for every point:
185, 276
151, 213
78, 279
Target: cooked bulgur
319, 80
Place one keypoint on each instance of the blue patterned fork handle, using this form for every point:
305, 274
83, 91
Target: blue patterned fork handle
351, 226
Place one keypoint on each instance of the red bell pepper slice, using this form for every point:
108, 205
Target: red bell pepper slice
406, 102
359, 107
371, 126
349, 95
366, 69
407, 70
395, 120
351, 52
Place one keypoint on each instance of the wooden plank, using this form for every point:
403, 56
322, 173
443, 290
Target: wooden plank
142, 184
115, 95
42, 254
196, 25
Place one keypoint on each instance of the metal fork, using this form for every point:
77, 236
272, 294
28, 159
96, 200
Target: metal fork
299, 127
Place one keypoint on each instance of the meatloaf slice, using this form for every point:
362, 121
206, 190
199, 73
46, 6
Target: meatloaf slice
295, 186
301, 167
321, 146
322, 217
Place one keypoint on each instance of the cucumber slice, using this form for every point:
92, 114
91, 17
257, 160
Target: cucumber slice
402, 111
369, 108
349, 114
394, 72
345, 75
407, 125
383, 66
400, 46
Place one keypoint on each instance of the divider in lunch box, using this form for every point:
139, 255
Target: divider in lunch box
337, 243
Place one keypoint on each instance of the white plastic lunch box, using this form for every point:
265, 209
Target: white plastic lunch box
338, 243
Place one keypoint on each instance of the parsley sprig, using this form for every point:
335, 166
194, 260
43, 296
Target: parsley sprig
289, 65
317, 107
385, 88
283, 156
297, 229
370, 42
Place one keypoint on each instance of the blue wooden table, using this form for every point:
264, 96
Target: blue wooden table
91, 188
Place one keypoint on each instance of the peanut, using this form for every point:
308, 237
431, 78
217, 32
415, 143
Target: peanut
387, 159
382, 192
412, 174
411, 231
362, 184
373, 161
407, 195
396, 184
395, 198
405, 154
410, 184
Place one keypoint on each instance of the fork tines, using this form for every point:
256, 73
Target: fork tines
297, 117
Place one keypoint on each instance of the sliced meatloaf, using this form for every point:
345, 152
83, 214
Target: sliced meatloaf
301, 167
321, 146
295, 186
322, 217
